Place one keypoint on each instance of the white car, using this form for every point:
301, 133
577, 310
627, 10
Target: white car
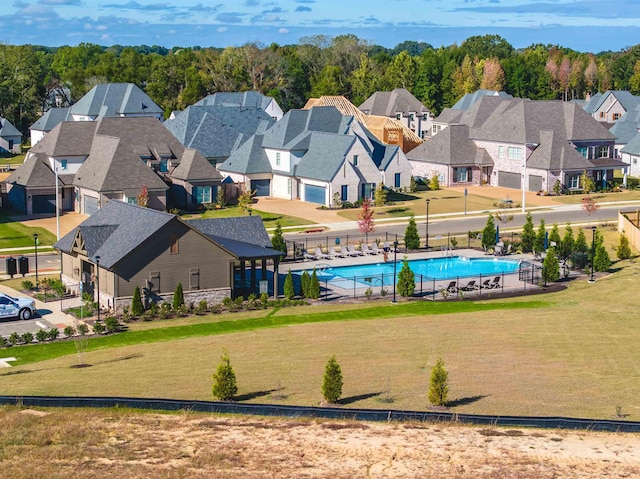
10, 307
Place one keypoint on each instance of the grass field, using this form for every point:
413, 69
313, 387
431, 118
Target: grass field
269, 219
16, 235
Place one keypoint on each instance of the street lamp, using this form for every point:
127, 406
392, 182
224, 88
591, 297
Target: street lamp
57, 169
35, 248
528, 150
426, 241
593, 251
395, 254
98, 283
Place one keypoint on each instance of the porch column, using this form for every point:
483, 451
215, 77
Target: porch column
263, 269
276, 263
253, 276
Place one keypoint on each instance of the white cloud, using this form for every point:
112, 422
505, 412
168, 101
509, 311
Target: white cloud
284, 30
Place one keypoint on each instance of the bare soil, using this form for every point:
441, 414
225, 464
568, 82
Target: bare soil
126, 444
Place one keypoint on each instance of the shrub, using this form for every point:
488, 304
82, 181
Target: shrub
224, 380
42, 335
137, 308
551, 267
601, 260
202, 307
439, 385
278, 242
411, 237
227, 302
368, 293
26, 337
27, 285
3, 342
528, 235
53, 333
264, 299
98, 327
69, 331
112, 324
489, 233
305, 280
314, 286
178, 297
14, 338
332, 383
434, 182
289, 292
83, 329
623, 251
406, 280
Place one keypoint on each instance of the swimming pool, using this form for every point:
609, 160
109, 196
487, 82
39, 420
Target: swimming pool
430, 269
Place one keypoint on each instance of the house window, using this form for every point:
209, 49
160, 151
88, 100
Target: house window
194, 278
132, 200
63, 164
153, 283
164, 166
501, 152
424, 117
396, 182
10, 145
434, 129
202, 194
514, 153
412, 116
355, 160
344, 192
583, 150
277, 159
462, 174
603, 152
616, 116
603, 114
574, 181
398, 116
173, 243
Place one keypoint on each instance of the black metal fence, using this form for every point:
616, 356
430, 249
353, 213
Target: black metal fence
321, 412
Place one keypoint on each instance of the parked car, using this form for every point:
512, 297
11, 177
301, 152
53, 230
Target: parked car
10, 307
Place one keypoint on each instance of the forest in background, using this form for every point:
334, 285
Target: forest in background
33, 76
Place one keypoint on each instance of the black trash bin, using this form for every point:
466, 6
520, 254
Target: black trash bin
12, 267
23, 265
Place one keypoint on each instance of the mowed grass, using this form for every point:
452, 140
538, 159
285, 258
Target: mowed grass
16, 235
269, 219
571, 353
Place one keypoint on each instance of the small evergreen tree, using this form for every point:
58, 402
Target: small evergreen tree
550, 267
581, 242
220, 198
178, 297
224, 379
304, 283
289, 291
137, 308
601, 260
434, 182
380, 195
411, 237
332, 383
554, 237
278, 242
567, 243
528, 235
439, 385
538, 242
623, 251
314, 286
489, 233
406, 280
413, 185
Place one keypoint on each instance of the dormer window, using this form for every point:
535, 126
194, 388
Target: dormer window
164, 166
278, 159
398, 116
412, 116
355, 160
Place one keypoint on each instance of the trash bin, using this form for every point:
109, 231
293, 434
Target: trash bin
23, 265
11, 266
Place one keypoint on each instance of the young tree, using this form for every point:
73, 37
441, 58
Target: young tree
289, 291
411, 237
489, 233
406, 280
601, 260
567, 243
413, 185
538, 244
137, 308
314, 286
439, 384
143, 197
590, 206
220, 198
554, 237
581, 242
623, 251
277, 241
244, 201
224, 380
380, 196
365, 219
332, 383
434, 182
178, 297
588, 185
528, 235
550, 267
304, 283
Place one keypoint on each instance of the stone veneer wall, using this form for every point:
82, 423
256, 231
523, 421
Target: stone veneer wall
211, 296
426, 170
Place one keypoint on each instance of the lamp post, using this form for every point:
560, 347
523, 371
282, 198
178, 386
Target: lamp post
395, 253
57, 169
35, 249
98, 283
593, 252
426, 241
528, 150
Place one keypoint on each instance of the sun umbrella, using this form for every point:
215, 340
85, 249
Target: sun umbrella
546, 240
497, 234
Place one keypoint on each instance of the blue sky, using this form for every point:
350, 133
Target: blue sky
585, 25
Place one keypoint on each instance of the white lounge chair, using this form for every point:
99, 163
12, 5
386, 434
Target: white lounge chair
374, 248
387, 247
320, 254
336, 254
365, 248
309, 256
352, 251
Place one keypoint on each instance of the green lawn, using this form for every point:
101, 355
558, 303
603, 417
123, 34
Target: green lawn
8, 159
15, 235
269, 219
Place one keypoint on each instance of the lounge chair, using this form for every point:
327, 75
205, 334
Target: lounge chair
374, 248
320, 254
387, 247
352, 251
488, 284
367, 249
307, 255
336, 254
470, 286
453, 287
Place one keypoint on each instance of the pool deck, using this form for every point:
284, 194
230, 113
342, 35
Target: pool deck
511, 281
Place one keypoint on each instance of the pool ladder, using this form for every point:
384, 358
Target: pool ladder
446, 251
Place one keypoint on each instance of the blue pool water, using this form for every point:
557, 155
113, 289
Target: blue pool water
436, 268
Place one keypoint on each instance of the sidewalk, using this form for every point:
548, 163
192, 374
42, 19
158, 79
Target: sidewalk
49, 311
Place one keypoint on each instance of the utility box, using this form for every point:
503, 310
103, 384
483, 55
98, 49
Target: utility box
11, 266
23, 265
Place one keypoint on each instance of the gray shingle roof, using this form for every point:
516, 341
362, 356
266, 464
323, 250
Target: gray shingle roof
627, 100
249, 158
248, 229
633, 146
325, 156
51, 118
34, 172
247, 98
469, 99
624, 130
592, 105
388, 103
193, 166
115, 99
115, 230
451, 146
69, 138
217, 130
7, 129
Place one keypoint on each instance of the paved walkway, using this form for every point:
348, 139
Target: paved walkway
49, 311
68, 221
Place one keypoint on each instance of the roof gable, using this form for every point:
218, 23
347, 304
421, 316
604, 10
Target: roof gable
193, 166
115, 99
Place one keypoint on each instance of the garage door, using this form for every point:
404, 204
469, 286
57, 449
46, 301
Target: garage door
314, 194
535, 183
261, 187
509, 180
44, 204
90, 205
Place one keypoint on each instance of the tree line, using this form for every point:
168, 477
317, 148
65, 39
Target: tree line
35, 78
